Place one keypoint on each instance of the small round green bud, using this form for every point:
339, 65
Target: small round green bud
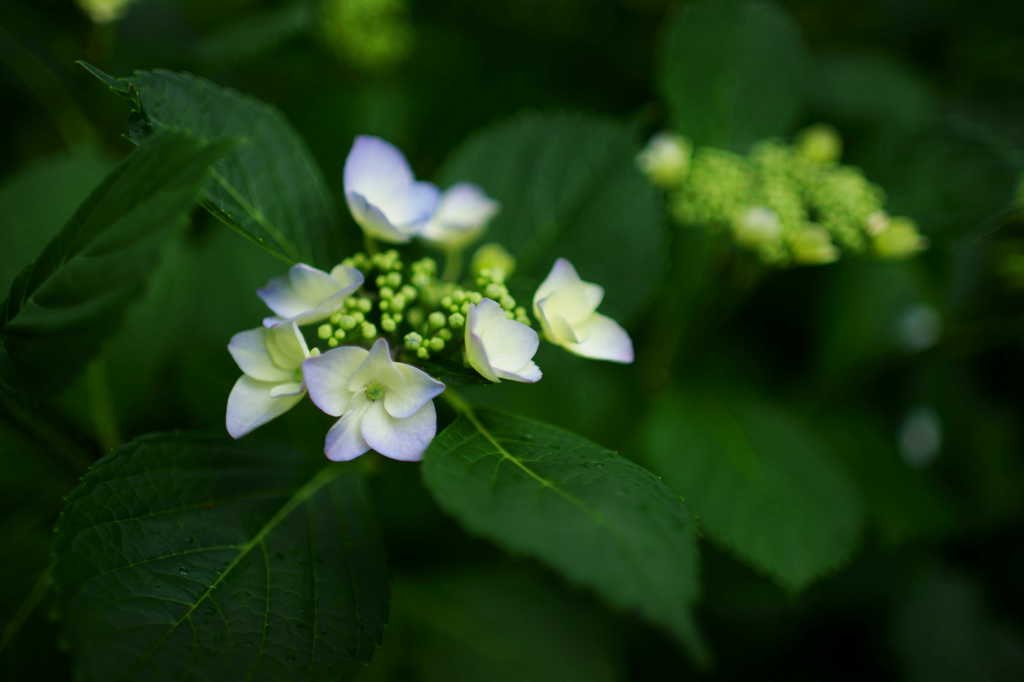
332, 342
415, 317
465, 307
409, 292
324, 331
666, 159
358, 317
445, 334
900, 239
398, 302
507, 302
336, 318
495, 291
388, 324
365, 305
394, 279
458, 295
369, 330
493, 258
422, 352
456, 320
475, 296
436, 319
314, 352
386, 292
347, 322
812, 246
447, 302
819, 143
339, 334
413, 340
437, 344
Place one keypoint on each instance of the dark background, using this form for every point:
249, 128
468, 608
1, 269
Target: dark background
929, 99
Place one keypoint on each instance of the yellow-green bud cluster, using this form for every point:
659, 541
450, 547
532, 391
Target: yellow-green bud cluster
371, 34
495, 261
412, 306
792, 204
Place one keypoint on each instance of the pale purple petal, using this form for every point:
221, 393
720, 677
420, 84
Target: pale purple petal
401, 439
376, 170
372, 219
328, 375
603, 339
250, 405
562, 275
415, 209
344, 440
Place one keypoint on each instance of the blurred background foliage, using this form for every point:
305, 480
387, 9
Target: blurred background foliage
905, 376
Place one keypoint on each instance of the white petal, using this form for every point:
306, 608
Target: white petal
286, 346
344, 440
328, 375
288, 388
311, 285
372, 219
556, 328
528, 374
376, 170
377, 367
562, 274
249, 351
281, 298
401, 439
461, 214
507, 344
411, 212
476, 355
414, 390
603, 339
250, 405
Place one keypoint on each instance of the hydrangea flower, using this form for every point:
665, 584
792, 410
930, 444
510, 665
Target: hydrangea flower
567, 309
462, 214
271, 382
384, 405
306, 295
500, 348
382, 193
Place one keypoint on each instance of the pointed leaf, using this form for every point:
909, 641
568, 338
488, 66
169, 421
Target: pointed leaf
598, 518
186, 557
62, 306
269, 188
760, 484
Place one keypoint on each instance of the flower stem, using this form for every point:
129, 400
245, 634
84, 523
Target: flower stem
370, 244
452, 265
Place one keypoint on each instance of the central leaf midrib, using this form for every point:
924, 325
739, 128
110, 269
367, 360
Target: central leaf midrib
308, 490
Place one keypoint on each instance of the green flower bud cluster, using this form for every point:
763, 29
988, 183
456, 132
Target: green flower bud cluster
412, 306
792, 204
370, 34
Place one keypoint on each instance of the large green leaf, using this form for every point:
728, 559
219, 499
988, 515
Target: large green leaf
732, 72
269, 188
186, 557
63, 305
596, 517
759, 483
568, 186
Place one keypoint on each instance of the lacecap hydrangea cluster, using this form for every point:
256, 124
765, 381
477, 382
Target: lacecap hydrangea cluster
792, 204
361, 338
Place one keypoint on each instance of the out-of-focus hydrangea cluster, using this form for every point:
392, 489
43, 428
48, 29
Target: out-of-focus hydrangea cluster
369, 34
789, 203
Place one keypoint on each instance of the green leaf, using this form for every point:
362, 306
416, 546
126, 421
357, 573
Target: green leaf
482, 624
187, 557
568, 186
759, 483
269, 188
598, 518
732, 73
62, 306
36, 203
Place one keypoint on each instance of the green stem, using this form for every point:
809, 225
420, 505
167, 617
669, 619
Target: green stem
452, 265
101, 402
370, 244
